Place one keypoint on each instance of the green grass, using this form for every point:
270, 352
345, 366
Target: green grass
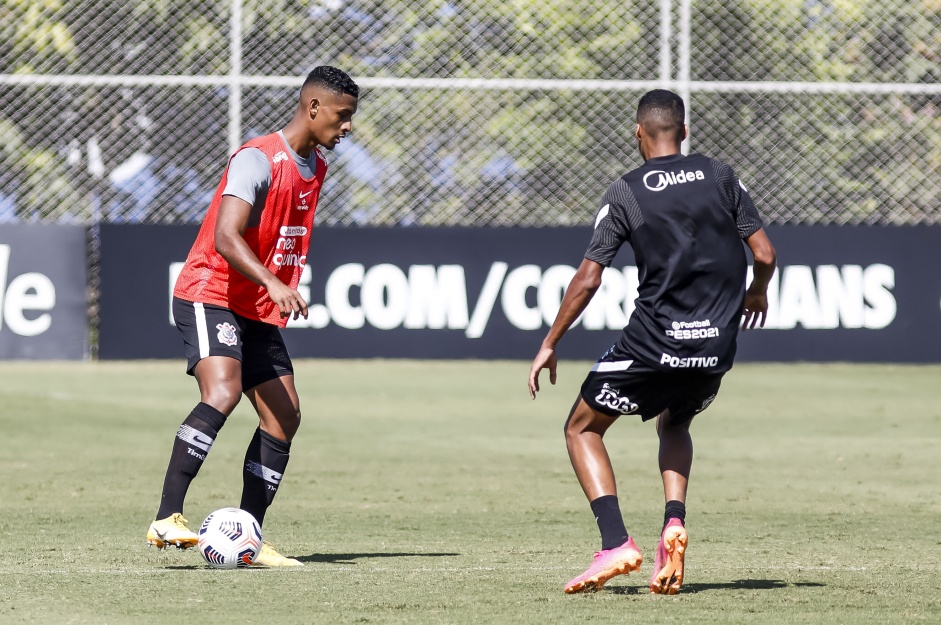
437, 492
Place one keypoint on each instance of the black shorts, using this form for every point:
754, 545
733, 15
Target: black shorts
210, 330
619, 387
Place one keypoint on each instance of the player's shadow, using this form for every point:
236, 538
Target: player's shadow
738, 584
350, 558
330, 558
205, 567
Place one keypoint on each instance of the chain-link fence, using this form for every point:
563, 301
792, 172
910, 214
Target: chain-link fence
472, 112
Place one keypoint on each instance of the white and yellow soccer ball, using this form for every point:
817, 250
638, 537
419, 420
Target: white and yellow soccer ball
229, 538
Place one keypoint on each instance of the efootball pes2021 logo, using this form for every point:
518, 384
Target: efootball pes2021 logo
612, 399
688, 330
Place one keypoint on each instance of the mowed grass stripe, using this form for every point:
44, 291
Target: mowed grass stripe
198, 569
437, 492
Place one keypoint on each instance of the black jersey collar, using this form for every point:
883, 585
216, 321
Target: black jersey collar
662, 160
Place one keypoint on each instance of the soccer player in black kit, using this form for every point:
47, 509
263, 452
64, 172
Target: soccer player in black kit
685, 218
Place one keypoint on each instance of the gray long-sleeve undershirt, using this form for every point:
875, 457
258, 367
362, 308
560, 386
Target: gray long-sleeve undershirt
250, 174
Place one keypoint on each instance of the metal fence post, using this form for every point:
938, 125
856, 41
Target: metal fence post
235, 77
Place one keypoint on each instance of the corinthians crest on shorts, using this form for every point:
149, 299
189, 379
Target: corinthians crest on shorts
227, 335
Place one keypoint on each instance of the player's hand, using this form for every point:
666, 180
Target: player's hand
545, 359
288, 300
755, 310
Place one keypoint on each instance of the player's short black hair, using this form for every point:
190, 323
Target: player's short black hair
332, 79
661, 110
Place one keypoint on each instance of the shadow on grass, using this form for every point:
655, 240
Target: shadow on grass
737, 584
326, 558
206, 567
349, 558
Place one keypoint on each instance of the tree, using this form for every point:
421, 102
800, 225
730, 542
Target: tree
434, 156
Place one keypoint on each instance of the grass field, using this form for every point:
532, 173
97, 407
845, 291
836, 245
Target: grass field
437, 492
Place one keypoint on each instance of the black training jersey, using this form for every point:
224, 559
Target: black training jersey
684, 216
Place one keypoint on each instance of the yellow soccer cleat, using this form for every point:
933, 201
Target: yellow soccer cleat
269, 556
171, 532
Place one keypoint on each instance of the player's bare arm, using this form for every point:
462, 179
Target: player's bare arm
756, 296
577, 296
234, 216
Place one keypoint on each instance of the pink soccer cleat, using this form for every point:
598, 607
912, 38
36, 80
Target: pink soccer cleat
668, 567
608, 563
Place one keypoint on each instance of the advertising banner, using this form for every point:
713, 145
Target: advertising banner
43, 312
848, 293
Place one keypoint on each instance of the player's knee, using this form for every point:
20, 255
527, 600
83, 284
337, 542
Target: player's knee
667, 423
571, 436
575, 418
584, 420
577, 425
290, 422
223, 397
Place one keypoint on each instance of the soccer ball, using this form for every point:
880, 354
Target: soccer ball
229, 538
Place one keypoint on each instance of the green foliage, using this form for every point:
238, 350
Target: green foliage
202, 46
861, 158
48, 193
11, 142
45, 192
36, 36
142, 36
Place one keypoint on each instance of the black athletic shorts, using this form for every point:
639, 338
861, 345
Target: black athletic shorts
620, 387
210, 330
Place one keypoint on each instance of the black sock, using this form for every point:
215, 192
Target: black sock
674, 510
191, 445
608, 515
265, 461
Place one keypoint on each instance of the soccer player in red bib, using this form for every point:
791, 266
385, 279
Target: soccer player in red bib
237, 288
685, 218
